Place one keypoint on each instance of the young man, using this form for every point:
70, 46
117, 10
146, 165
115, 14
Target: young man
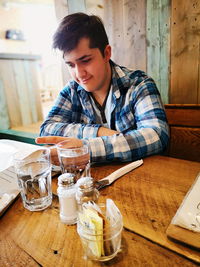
118, 110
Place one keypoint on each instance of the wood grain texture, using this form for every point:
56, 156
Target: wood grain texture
149, 197
76, 6
185, 143
142, 196
12, 255
183, 115
184, 123
22, 92
12, 99
125, 25
185, 52
35, 87
31, 91
4, 118
31, 128
184, 235
157, 31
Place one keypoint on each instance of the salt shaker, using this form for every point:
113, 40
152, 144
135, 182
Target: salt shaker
67, 198
86, 191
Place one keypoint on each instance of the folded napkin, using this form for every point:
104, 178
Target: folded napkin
9, 147
188, 214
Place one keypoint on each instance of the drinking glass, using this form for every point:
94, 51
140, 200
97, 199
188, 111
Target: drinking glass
74, 159
34, 178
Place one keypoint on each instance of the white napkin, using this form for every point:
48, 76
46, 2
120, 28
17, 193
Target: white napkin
8, 179
188, 214
9, 147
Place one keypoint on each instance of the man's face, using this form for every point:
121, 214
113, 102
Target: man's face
88, 67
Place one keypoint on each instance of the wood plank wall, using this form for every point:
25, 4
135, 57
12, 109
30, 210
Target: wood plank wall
19, 91
157, 34
126, 31
185, 52
4, 118
161, 37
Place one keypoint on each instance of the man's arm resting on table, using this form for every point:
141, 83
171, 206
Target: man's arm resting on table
72, 141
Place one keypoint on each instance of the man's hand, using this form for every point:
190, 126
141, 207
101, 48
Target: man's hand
106, 132
50, 140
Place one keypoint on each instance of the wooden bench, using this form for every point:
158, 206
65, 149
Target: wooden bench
184, 123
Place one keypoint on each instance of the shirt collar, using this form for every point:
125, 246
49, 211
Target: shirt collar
120, 80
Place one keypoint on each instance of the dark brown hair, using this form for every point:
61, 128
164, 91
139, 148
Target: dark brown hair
76, 26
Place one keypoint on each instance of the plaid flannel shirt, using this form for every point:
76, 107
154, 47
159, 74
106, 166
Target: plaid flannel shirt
136, 112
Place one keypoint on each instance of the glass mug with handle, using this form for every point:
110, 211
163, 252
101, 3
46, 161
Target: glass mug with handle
74, 159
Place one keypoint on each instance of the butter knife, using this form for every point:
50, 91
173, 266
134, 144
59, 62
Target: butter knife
117, 174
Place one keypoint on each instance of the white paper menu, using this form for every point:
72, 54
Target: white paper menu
188, 214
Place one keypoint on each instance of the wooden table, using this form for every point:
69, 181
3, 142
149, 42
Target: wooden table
148, 198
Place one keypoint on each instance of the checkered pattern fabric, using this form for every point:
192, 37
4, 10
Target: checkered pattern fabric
136, 112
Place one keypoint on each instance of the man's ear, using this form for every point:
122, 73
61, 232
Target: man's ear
107, 52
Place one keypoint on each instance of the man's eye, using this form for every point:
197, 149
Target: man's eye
70, 65
86, 60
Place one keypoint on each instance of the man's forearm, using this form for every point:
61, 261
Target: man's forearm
77, 130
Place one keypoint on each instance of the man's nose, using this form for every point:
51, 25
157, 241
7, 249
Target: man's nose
80, 71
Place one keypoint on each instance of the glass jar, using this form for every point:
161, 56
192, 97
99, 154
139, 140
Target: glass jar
86, 191
102, 243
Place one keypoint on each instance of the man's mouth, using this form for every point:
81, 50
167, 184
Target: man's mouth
84, 81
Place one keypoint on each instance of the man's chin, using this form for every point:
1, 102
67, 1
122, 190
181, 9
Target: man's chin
88, 88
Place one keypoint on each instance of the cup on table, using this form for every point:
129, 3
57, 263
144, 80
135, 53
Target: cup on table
34, 178
101, 240
74, 159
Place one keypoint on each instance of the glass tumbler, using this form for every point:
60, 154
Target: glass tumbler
74, 159
34, 178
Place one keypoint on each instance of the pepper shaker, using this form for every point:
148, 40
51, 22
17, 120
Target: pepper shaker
86, 191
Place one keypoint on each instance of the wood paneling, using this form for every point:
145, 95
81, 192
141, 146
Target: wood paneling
140, 31
4, 121
157, 29
22, 93
184, 123
32, 71
125, 24
183, 115
19, 80
12, 99
125, 29
76, 6
185, 51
